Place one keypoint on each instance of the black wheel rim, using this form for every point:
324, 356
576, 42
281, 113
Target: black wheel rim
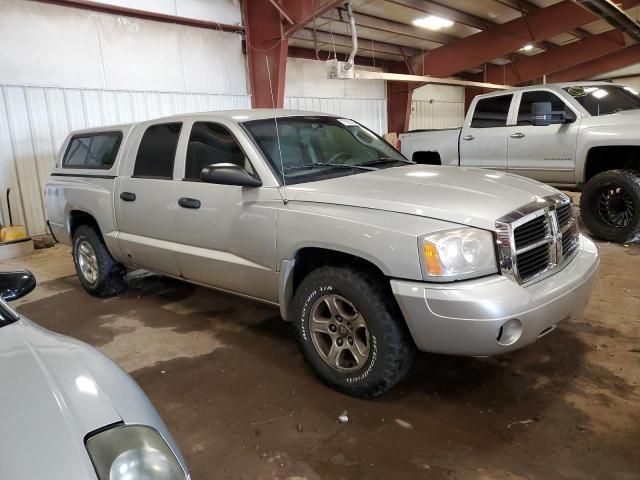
615, 206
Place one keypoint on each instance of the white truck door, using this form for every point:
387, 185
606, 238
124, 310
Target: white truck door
225, 234
483, 141
544, 153
144, 207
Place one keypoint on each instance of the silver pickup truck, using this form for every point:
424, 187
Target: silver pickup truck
583, 135
369, 255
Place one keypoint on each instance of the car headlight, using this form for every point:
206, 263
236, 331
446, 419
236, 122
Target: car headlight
458, 254
133, 452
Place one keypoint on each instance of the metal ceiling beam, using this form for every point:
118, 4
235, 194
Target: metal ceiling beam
525, 7
533, 67
502, 39
389, 26
435, 8
144, 15
310, 54
326, 40
303, 12
614, 16
615, 61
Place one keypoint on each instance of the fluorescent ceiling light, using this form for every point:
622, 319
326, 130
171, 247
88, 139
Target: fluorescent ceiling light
600, 93
527, 48
432, 22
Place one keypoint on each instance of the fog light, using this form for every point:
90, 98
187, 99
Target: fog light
510, 332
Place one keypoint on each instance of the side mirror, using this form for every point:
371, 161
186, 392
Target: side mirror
15, 285
542, 114
229, 174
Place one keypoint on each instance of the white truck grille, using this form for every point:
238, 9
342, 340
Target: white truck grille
535, 240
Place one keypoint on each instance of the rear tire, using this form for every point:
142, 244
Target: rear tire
610, 206
99, 273
344, 309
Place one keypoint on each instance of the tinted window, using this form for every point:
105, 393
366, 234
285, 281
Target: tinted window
157, 151
491, 112
211, 143
605, 99
529, 98
92, 151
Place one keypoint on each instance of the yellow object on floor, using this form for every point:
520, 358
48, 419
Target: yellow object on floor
11, 234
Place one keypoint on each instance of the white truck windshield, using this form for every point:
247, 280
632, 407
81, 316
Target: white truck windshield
605, 99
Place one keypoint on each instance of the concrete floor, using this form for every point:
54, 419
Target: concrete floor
229, 382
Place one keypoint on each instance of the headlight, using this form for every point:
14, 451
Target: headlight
133, 452
458, 254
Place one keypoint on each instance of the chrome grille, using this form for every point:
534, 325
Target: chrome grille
534, 261
534, 240
565, 214
531, 232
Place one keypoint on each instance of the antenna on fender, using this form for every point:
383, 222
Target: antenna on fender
275, 121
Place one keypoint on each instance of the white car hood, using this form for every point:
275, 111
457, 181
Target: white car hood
49, 402
467, 196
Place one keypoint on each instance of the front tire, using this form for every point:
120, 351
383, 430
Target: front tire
99, 273
610, 206
350, 331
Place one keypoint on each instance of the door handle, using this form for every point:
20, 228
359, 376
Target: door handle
128, 197
468, 137
517, 135
186, 202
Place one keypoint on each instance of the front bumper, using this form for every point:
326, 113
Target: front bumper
466, 318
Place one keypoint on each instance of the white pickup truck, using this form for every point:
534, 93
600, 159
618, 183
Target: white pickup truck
580, 135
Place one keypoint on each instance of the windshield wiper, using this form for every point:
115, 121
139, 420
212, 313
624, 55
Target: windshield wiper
333, 165
384, 160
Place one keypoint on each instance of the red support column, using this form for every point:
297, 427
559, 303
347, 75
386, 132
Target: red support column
266, 53
469, 94
399, 102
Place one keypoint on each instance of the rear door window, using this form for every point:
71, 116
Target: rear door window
157, 151
492, 112
94, 151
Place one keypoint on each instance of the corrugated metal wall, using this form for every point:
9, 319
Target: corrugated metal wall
435, 114
35, 120
370, 112
437, 106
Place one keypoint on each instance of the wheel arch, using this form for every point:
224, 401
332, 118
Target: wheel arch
307, 259
77, 217
603, 158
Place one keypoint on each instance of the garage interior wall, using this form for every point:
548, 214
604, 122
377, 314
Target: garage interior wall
65, 69
630, 81
308, 88
437, 106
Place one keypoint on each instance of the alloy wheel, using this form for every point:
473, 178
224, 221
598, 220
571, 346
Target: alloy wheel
339, 333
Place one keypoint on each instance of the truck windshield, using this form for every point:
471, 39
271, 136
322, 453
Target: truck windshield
307, 149
7, 315
605, 99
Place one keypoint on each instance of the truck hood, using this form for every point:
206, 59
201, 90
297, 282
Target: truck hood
467, 196
50, 401
625, 117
